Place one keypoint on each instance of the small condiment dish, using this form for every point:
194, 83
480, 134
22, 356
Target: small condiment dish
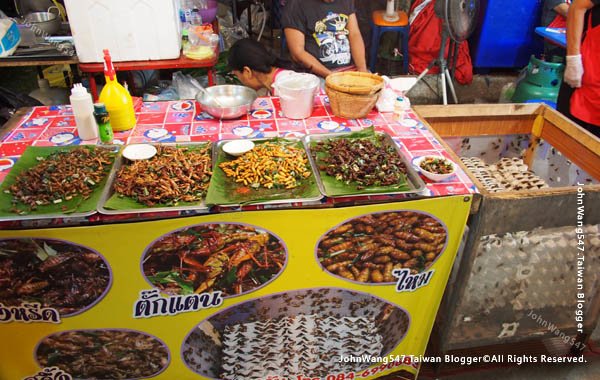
419, 162
135, 152
238, 147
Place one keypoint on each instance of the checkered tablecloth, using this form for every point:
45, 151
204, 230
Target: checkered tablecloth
184, 121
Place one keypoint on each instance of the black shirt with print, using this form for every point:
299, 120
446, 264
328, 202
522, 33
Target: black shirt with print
325, 28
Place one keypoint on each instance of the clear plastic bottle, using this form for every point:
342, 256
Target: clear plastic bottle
401, 107
83, 111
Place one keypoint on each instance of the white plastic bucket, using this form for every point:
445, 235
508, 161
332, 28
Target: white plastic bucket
297, 93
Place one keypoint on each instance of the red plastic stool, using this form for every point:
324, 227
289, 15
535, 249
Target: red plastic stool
379, 26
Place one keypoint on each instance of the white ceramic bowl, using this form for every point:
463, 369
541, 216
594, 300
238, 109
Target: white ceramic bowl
238, 147
434, 176
136, 152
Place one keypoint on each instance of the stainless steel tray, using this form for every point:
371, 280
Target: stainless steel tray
414, 181
109, 192
74, 215
218, 148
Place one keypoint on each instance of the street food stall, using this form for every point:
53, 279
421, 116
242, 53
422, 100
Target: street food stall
233, 270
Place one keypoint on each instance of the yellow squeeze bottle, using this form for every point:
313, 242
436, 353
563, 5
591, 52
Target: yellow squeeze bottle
116, 98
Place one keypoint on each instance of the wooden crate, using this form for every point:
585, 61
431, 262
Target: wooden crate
475, 313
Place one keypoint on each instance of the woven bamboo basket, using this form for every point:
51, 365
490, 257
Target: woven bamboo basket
353, 95
353, 82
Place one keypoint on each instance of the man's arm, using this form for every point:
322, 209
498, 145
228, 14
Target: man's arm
574, 68
562, 9
295, 43
575, 24
357, 45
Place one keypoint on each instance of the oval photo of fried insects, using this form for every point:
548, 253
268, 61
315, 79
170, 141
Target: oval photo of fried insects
54, 273
227, 257
104, 354
368, 248
303, 331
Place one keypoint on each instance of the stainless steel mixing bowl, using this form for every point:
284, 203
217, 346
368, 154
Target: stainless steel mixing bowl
43, 22
235, 100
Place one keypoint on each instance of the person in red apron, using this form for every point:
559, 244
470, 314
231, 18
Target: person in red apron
554, 15
579, 97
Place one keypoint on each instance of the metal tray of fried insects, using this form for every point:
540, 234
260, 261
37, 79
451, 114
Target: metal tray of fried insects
224, 192
199, 207
414, 182
20, 167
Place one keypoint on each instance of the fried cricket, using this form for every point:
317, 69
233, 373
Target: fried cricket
175, 174
62, 176
361, 162
54, 273
104, 354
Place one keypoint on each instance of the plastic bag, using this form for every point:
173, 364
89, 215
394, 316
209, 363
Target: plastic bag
202, 42
162, 91
388, 96
10, 36
187, 87
230, 31
259, 19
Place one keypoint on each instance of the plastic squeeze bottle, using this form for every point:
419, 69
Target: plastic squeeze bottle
116, 98
83, 110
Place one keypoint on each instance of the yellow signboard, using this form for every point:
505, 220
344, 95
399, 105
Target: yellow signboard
331, 294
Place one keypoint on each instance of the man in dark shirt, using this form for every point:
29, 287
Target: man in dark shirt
552, 8
554, 14
323, 35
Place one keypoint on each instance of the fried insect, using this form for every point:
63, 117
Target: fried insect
54, 273
269, 165
376, 276
103, 354
230, 258
173, 175
387, 272
372, 256
62, 176
437, 165
361, 162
